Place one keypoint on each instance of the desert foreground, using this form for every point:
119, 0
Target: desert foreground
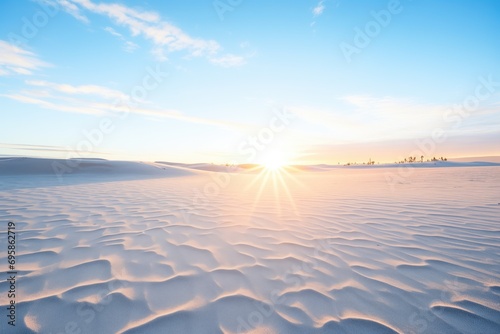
312, 251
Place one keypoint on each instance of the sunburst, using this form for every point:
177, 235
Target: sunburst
274, 175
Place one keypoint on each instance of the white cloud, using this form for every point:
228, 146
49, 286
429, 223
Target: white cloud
396, 115
364, 118
100, 100
16, 60
73, 10
319, 9
228, 60
68, 6
165, 36
74, 108
128, 46
113, 32
95, 90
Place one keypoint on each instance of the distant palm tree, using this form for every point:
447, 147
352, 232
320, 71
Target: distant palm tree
421, 158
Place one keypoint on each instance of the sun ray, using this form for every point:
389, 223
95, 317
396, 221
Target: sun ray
264, 174
273, 181
288, 172
276, 192
287, 192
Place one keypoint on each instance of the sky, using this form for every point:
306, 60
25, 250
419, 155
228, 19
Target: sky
240, 81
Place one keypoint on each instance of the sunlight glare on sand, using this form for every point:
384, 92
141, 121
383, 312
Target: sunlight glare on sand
273, 178
296, 250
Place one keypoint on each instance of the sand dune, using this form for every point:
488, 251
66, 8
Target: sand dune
40, 166
50, 172
332, 252
255, 168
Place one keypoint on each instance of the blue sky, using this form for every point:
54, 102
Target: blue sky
246, 81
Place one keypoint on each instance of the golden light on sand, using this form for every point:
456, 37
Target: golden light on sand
273, 177
274, 165
274, 161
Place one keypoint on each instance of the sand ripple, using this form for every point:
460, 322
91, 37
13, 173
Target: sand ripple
334, 256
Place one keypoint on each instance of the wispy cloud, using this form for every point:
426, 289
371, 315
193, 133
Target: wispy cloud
319, 8
100, 100
16, 60
71, 9
43, 102
364, 118
44, 148
80, 90
228, 60
128, 46
166, 37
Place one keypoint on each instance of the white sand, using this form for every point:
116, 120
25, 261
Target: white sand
336, 251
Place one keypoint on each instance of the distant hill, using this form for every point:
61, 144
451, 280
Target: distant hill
473, 159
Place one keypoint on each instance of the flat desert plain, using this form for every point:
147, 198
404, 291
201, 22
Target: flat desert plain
316, 250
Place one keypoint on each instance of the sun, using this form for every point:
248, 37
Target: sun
272, 175
273, 163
